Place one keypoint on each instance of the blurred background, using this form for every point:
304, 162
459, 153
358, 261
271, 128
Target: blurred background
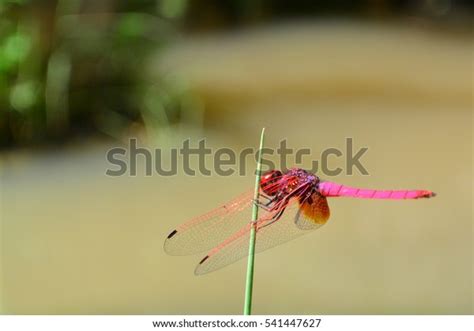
78, 77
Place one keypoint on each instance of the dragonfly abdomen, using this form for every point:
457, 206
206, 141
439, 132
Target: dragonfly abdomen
330, 189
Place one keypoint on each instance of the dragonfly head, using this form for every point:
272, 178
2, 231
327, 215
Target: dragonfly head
269, 182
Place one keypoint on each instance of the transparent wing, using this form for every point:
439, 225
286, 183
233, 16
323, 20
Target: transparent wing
208, 230
297, 219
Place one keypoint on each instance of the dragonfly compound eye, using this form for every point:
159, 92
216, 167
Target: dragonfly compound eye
269, 182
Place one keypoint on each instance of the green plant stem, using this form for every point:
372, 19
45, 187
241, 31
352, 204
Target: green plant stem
253, 235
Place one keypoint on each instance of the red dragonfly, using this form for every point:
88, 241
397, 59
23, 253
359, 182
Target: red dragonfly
294, 203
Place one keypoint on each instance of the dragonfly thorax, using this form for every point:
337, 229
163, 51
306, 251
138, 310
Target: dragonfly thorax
275, 182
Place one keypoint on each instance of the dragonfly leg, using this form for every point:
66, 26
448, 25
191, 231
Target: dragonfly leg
280, 203
265, 206
281, 209
275, 217
263, 195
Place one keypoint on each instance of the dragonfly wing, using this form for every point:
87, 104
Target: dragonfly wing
208, 230
269, 234
229, 251
313, 212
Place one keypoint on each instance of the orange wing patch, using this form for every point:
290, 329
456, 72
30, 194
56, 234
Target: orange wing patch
316, 209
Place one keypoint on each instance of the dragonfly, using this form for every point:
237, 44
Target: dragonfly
292, 203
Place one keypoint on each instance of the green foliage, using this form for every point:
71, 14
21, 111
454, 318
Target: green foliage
68, 68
